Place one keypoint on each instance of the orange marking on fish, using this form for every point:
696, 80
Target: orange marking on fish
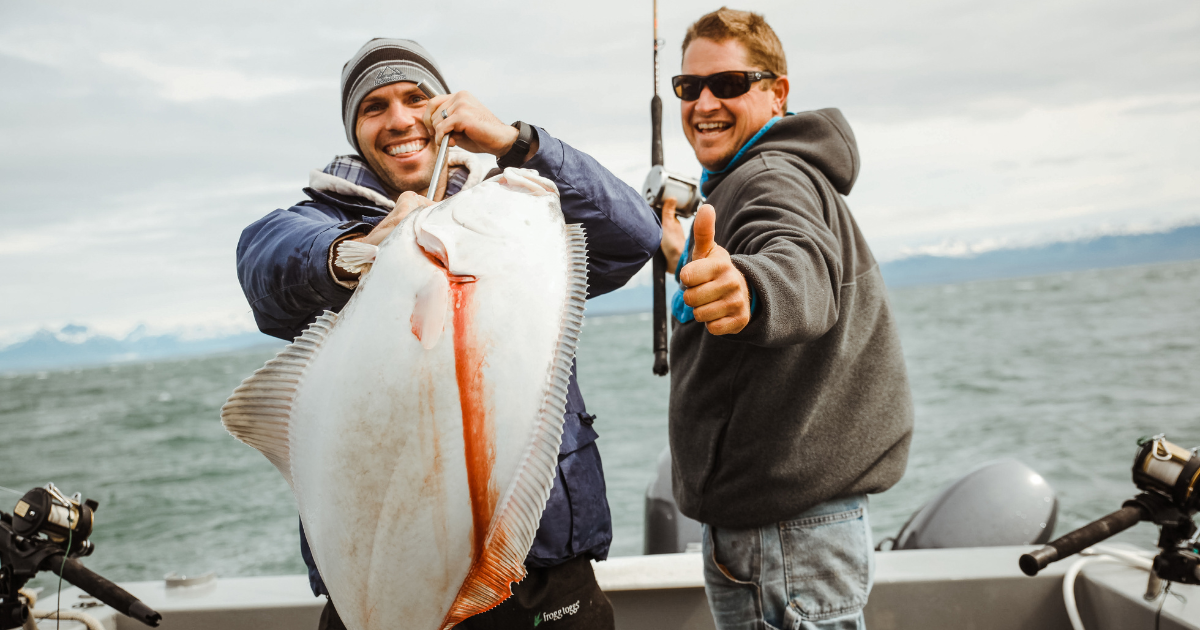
478, 432
414, 324
427, 305
490, 579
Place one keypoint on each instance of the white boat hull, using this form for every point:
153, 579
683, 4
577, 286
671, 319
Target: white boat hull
935, 589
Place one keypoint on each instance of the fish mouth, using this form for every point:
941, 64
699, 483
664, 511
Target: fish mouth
435, 250
433, 258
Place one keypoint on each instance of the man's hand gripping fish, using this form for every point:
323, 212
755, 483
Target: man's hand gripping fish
419, 428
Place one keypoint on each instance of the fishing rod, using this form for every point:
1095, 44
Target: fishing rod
662, 184
1169, 477
49, 531
660, 260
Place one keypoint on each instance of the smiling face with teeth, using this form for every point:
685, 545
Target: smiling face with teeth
716, 127
394, 140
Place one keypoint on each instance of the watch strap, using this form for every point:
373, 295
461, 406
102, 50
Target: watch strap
520, 148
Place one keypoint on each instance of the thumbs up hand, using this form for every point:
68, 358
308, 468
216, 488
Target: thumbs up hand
716, 290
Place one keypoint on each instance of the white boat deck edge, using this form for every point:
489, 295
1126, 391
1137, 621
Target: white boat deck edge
980, 588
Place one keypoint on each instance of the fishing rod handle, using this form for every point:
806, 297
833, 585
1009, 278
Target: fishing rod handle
659, 269
102, 589
659, 264
656, 145
1082, 538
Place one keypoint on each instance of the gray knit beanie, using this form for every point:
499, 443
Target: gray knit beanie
381, 62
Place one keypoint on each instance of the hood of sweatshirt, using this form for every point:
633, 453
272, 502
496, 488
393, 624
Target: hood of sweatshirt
822, 138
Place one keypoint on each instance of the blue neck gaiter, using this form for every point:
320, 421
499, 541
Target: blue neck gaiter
679, 308
704, 177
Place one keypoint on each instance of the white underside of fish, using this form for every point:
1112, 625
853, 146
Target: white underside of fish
419, 429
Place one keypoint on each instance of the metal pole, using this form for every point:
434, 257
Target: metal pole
659, 265
431, 91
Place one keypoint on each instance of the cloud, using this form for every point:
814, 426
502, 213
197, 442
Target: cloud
162, 256
137, 139
188, 84
898, 61
1051, 170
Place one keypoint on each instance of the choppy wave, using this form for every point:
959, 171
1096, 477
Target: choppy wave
1063, 371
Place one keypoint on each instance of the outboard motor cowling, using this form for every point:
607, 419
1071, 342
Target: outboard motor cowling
1000, 503
665, 529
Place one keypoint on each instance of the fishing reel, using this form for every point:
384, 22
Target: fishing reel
64, 522
1169, 477
1169, 470
48, 531
661, 184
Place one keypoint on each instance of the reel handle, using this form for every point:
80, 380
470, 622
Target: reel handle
102, 589
1082, 538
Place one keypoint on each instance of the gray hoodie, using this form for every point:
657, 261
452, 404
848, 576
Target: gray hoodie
810, 401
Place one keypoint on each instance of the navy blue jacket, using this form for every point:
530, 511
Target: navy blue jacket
282, 263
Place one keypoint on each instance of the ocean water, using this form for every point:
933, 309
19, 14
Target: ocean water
1063, 372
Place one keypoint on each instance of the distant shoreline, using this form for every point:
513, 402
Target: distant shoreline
1103, 252
72, 348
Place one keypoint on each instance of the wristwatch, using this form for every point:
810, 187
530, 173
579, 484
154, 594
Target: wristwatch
516, 154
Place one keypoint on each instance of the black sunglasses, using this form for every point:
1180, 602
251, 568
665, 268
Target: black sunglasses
731, 84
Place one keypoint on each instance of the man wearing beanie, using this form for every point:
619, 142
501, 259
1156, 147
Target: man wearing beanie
284, 263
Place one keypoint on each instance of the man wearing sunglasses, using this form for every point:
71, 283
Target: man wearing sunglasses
789, 398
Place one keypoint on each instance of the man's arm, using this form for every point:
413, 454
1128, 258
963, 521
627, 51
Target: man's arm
622, 231
283, 267
780, 248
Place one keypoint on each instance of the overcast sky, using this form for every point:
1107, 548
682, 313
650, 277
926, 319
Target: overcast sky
137, 139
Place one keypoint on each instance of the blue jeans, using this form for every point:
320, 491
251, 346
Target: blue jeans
813, 572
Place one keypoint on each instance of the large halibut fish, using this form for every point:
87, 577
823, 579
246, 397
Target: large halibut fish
419, 428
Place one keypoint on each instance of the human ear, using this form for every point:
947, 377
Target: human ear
780, 89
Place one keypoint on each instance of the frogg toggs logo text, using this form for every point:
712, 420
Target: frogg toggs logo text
556, 615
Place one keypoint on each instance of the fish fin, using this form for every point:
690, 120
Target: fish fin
259, 411
519, 511
428, 318
354, 256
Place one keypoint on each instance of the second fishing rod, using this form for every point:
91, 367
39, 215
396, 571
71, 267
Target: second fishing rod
660, 185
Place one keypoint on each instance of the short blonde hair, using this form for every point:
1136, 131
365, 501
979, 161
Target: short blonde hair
763, 48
